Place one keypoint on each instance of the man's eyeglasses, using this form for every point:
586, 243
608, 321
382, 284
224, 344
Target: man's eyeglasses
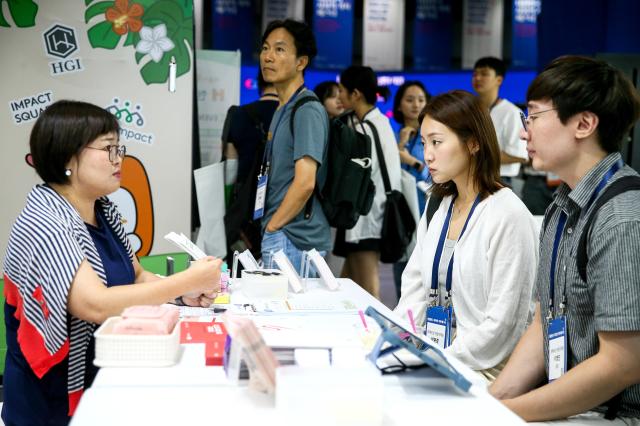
525, 119
114, 151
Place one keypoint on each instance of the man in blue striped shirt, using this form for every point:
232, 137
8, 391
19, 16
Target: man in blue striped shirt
580, 357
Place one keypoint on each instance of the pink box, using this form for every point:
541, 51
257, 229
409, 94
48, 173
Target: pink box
147, 319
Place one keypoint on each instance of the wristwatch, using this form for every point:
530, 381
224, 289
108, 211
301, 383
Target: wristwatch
417, 165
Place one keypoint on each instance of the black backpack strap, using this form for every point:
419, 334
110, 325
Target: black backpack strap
297, 106
432, 206
308, 208
381, 160
624, 184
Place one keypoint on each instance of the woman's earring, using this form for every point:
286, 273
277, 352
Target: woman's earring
67, 172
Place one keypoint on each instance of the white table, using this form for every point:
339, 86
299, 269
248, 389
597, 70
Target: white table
191, 393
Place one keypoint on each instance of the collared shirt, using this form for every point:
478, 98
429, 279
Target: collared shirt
610, 299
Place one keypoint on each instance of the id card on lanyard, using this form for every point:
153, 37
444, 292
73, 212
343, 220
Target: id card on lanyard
263, 177
557, 333
439, 318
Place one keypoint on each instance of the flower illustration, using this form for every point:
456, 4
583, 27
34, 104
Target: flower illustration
154, 41
125, 18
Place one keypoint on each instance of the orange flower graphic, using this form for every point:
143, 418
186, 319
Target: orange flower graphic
125, 18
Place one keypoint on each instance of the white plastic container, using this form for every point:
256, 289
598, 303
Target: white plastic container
257, 285
126, 350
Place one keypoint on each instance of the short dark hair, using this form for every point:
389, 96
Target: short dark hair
62, 131
397, 114
576, 83
461, 112
325, 89
494, 63
365, 80
303, 38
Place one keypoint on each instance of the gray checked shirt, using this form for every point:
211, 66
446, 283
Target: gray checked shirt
610, 299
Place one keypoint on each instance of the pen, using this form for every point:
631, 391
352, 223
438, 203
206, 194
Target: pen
412, 321
364, 321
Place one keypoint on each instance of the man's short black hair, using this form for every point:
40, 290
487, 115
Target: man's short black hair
576, 84
302, 34
494, 63
62, 131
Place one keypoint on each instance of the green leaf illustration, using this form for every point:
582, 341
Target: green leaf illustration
23, 13
101, 35
179, 30
87, 2
132, 39
97, 9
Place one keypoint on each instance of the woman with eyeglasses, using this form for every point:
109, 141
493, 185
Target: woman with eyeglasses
69, 266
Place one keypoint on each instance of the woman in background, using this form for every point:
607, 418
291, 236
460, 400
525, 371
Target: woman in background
361, 245
408, 103
327, 92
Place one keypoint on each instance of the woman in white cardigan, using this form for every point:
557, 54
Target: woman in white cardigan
484, 231
361, 244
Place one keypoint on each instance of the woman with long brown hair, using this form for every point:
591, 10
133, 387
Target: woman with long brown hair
470, 277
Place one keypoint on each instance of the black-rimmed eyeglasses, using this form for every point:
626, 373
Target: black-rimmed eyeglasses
114, 151
525, 119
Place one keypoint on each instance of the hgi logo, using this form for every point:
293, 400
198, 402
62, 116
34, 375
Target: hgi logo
60, 42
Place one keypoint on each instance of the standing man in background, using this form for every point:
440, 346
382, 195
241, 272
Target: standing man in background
294, 160
488, 75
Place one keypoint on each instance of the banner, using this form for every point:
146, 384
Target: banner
234, 27
432, 35
116, 55
482, 28
333, 27
383, 34
281, 9
524, 47
218, 89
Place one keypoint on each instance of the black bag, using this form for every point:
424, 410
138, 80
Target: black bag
242, 231
398, 224
348, 191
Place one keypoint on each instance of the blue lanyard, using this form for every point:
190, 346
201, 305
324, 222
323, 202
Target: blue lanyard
438, 255
266, 157
562, 220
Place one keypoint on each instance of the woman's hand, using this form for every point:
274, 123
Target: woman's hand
406, 133
203, 300
204, 278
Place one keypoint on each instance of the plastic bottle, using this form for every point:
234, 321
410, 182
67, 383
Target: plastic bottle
224, 278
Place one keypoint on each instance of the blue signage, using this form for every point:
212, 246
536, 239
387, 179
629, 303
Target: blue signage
234, 28
432, 35
333, 27
524, 48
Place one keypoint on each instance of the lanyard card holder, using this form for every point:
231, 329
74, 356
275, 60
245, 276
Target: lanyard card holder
261, 194
390, 341
439, 325
557, 332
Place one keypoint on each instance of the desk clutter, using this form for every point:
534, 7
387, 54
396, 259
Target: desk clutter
143, 336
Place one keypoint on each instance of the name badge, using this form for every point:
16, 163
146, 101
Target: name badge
557, 332
439, 326
261, 193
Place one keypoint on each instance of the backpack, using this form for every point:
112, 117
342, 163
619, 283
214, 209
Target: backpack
348, 191
242, 231
624, 184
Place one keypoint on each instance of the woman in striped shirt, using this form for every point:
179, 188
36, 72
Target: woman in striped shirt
69, 265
